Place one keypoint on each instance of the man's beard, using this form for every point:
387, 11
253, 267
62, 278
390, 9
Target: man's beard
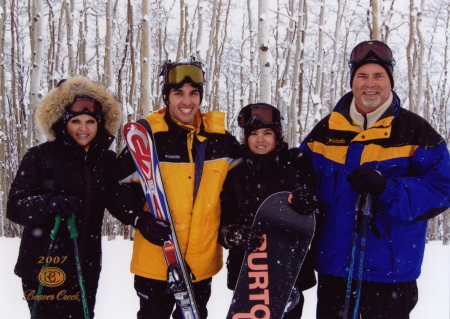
371, 103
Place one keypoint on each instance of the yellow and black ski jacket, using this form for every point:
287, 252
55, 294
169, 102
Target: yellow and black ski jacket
193, 165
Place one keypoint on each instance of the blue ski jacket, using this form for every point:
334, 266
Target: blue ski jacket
413, 156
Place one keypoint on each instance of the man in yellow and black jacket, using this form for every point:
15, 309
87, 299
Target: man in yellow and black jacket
369, 144
195, 153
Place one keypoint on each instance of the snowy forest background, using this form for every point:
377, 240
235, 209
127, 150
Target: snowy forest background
290, 53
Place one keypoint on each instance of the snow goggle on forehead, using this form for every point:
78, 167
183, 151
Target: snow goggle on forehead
82, 103
364, 49
180, 72
265, 114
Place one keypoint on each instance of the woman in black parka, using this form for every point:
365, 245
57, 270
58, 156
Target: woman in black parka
268, 167
72, 172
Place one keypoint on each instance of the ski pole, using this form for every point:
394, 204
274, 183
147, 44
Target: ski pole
53, 234
366, 208
74, 236
352, 258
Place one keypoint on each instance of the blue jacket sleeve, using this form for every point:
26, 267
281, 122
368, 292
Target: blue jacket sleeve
423, 194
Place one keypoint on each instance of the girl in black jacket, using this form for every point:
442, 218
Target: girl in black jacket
268, 167
72, 172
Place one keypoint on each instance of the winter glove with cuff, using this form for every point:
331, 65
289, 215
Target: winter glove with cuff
365, 180
64, 206
304, 201
153, 229
240, 237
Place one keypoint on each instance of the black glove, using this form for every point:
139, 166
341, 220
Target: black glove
365, 180
304, 201
153, 229
64, 206
242, 237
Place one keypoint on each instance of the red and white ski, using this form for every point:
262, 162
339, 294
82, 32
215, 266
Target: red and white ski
144, 154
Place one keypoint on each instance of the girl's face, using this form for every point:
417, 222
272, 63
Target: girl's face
83, 129
262, 141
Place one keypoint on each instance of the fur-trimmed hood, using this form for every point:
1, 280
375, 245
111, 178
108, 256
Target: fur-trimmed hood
53, 105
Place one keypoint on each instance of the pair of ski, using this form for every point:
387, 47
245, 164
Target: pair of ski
139, 139
267, 275
71, 226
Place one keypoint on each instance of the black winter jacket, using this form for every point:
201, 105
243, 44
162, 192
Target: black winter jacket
61, 168
250, 183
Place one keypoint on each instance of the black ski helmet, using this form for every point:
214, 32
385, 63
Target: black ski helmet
372, 51
260, 115
176, 74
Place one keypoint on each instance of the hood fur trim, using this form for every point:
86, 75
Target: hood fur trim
53, 105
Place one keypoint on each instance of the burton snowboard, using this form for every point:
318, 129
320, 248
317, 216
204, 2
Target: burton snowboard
268, 274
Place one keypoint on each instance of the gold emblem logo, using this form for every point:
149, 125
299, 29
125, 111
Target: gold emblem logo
52, 277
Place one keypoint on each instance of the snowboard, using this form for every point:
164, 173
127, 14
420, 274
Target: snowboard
268, 273
143, 151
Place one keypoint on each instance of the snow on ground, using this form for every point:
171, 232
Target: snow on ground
116, 298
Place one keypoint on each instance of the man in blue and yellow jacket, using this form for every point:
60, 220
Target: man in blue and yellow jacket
371, 145
195, 153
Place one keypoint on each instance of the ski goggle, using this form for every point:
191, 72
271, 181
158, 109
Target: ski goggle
82, 103
265, 114
377, 48
178, 74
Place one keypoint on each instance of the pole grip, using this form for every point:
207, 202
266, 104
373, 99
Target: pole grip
71, 225
367, 206
55, 229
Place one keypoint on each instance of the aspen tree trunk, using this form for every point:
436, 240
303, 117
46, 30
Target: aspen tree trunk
294, 108
208, 62
51, 24
283, 60
334, 65
181, 33
317, 100
214, 68
251, 85
14, 143
241, 72
69, 10
37, 37
445, 95
385, 28
375, 20
263, 52
420, 61
409, 56
198, 48
59, 43
109, 72
3, 137
146, 54
156, 85
120, 75
446, 228
218, 58
132, 87
187, 43
97, 50
83, 31
302, 29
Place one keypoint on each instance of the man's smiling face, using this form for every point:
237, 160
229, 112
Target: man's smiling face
184, 103
371, 87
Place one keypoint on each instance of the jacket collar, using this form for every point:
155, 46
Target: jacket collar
366, 121
340, 119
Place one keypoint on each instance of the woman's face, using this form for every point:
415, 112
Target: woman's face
262, 141
83, 129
